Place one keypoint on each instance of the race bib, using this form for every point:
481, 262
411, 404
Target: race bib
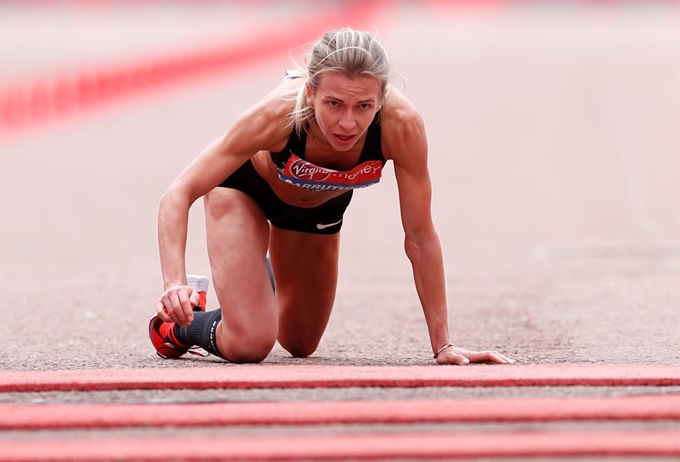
304, 174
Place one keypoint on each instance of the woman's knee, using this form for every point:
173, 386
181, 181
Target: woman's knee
247, 344
298, 350
252, 354
298, 345
217, 203
230, 206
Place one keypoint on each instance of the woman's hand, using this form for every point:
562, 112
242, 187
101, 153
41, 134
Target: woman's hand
461, 357
177, 305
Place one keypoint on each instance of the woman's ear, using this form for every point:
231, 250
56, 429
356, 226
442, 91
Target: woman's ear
310, 94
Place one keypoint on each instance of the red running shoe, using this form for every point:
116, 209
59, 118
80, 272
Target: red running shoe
162, 334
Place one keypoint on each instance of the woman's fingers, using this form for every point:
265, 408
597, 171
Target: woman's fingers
489, 356
195, 299
162, 312
185, 307
461, 356
507, 360
453, 358
177, 305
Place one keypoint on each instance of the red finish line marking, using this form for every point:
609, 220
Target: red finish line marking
63, 416
33, 103
374, 446
270, 376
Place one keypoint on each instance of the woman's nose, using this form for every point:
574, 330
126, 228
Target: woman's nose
347, 120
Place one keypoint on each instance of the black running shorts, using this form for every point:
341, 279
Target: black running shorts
324, 219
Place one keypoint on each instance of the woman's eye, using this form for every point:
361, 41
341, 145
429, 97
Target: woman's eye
333, 103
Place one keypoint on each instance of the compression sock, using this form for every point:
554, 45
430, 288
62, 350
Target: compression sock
201, 332
271, 274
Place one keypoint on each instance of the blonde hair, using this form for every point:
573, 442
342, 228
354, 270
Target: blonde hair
346, 51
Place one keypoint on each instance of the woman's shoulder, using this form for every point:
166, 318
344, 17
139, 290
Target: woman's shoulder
280, 102
268, 120
401, 123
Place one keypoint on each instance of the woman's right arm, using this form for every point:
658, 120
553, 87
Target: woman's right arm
173, 217
260, 128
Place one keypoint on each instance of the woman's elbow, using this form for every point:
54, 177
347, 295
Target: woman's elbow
417, 244
174, 197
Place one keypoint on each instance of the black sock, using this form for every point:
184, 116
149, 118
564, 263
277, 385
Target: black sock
271, 274
201, 332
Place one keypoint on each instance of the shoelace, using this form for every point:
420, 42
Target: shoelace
204, 354
191, 350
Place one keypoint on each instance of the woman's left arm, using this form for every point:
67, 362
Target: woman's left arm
405, 142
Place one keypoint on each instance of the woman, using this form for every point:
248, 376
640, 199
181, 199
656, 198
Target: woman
277, 183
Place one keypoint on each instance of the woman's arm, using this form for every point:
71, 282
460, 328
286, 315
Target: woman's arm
405, 142
263, 127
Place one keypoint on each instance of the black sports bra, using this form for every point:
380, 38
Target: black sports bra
294, 169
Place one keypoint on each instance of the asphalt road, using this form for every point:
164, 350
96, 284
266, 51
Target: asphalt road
554, 140
554, 133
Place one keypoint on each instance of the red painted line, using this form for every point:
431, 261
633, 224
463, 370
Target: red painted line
275, 376
37, 102
367, 446
64, 416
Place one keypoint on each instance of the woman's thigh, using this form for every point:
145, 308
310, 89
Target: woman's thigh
237, 237
305, 268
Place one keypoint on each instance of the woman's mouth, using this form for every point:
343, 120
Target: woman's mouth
344, 139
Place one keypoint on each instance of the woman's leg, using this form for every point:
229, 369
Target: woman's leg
237, 236
306, 272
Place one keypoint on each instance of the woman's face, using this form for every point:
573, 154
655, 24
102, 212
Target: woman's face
344, 107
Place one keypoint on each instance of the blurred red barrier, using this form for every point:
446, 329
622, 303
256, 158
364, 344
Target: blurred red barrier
33, 103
